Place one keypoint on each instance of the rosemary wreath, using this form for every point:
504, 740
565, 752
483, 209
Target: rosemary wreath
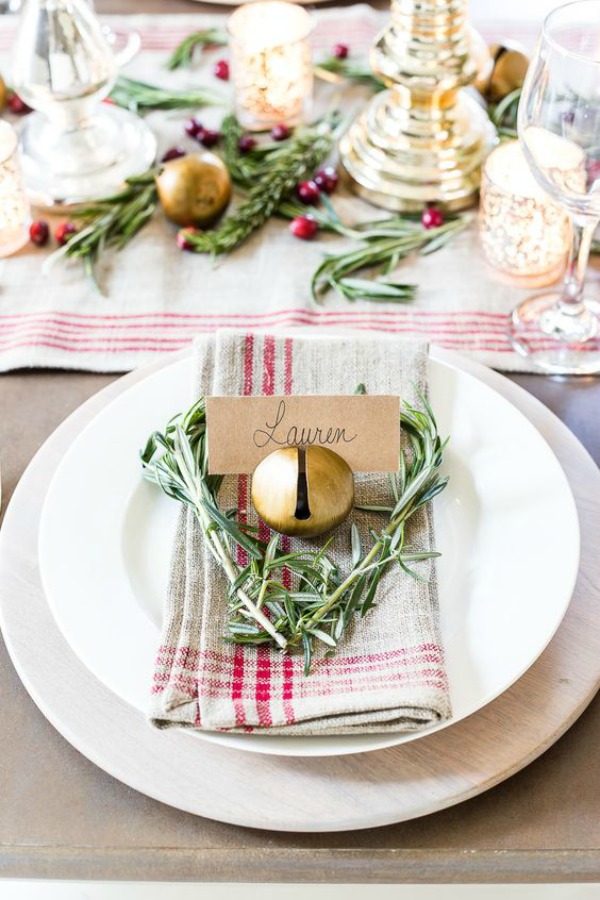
323, 602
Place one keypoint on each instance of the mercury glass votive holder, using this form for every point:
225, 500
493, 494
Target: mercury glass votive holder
271, 65
523, 232
15, 214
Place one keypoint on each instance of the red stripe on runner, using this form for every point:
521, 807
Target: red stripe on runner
475, 345
74, 334
317, 315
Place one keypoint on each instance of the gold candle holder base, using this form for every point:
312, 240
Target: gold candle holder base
422, 140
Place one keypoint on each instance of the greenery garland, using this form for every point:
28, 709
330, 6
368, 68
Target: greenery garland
267, 174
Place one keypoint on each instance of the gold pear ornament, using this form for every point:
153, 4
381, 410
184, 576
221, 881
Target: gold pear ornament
303, 491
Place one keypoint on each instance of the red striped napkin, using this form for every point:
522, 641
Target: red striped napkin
388, 673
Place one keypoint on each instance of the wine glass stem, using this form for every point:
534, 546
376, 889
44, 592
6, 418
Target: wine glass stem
572, 295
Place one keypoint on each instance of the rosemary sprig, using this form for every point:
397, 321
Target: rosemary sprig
140, 97
322, 602
183, 54
381, 246
111, 222
272, 182
383, 242
245, 168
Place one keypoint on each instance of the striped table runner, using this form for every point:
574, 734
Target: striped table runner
159, 298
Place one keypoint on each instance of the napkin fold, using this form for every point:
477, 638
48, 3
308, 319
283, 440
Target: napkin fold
388, 671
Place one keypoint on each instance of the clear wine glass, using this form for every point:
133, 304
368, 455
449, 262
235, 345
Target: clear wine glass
559, 130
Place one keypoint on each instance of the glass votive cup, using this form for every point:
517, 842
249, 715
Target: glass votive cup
523, 232
271, 65
15, 213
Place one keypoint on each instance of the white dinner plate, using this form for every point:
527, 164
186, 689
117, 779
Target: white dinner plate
506, 525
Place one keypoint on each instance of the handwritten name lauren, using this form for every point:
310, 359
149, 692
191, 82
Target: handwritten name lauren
284, 435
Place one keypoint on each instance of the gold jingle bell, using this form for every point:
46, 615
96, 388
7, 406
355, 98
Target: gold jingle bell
303, 491
506, 74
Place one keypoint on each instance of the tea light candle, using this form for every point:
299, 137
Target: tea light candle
14, 207
522, 231
271, 64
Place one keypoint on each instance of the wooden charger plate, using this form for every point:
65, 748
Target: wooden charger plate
319, 794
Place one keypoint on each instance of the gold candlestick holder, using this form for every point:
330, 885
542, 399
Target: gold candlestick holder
423, 139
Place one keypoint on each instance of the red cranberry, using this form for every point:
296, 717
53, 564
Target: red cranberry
17, 106
39, 233
246, 143
304, 227
64, 232
327, 179
432, 217
208, 137
341, 51
280, 132
193, 127
183, 237
173, 153
221, 69
308, 193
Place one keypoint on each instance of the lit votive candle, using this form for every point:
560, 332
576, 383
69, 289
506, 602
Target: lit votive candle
14, 208
523, 232
271, 64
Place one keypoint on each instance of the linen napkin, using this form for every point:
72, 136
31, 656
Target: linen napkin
388, 671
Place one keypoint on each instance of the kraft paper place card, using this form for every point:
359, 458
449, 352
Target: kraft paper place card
363, 429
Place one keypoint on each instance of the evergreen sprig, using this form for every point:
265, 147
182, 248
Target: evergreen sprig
322, 602
183, 55
140, 97
382, 242
246, 167
381, 245
272, 182
110, 222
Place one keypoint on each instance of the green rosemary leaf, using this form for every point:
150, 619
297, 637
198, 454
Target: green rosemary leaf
382, 291
323, 637
183, 54
237, 535
411, 572
140, 97
307, 649
242, 628
271, 551
369, 600
356, 545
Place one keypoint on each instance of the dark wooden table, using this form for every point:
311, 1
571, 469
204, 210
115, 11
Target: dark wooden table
61, 817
